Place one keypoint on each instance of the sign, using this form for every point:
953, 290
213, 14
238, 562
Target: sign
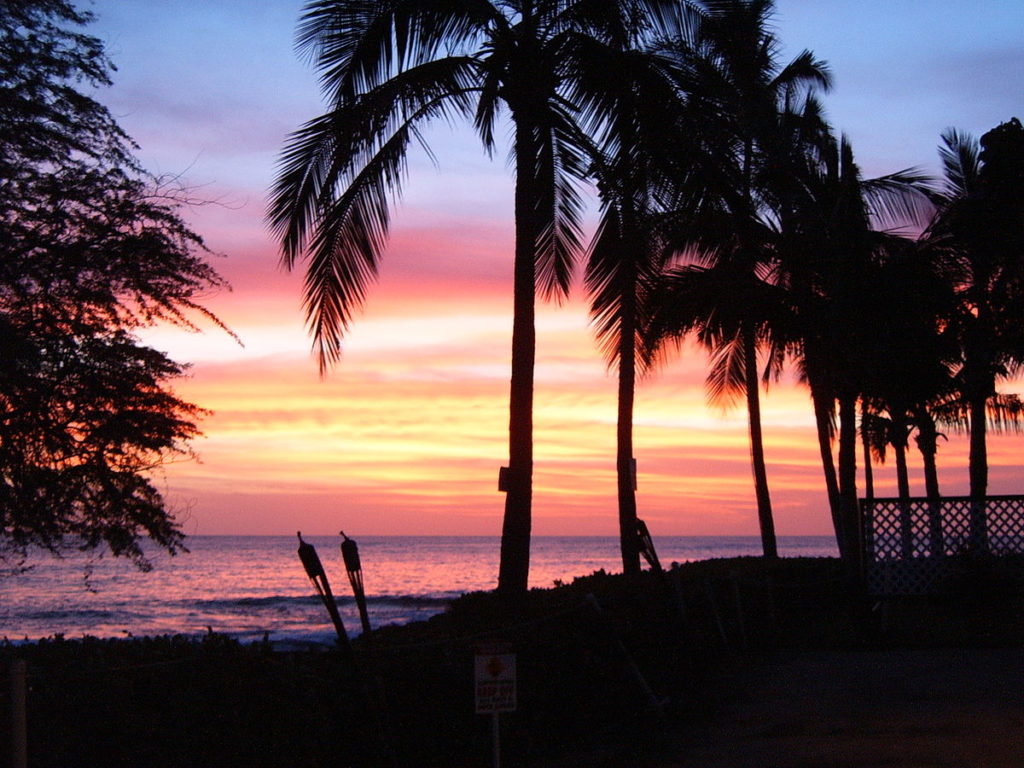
495, 675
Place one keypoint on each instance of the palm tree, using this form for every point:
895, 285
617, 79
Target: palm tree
915, 353
390, 67
978, 236
832, 257
632, 169
1004, 414
621, 259
745, 103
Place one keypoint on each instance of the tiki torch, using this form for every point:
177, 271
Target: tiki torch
318, 577
350, 554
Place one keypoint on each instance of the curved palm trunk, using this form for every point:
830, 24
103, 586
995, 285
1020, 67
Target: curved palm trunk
765, 522
764, 503
629, 543
823, 423
514, 567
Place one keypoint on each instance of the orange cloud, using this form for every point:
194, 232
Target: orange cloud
408, 433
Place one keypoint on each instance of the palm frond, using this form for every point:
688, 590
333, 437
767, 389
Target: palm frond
320, 156
676, 21
488, 105
1005, 413
960, 155
900, 198
561, 162
671, 317
875, 429
358, 45
343, 254
304, 170
726, 380
604, 283
804, 72
337, 176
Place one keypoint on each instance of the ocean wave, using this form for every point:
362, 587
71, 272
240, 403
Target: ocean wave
78, 614
270, 601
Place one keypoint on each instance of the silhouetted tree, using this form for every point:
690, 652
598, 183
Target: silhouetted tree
634, 165
978, 236
388, 69
832, 252
93, 251
1004, 412
743, 101
910, 305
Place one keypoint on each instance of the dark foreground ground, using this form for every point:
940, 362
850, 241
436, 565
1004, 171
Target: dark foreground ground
830, 709
725, 663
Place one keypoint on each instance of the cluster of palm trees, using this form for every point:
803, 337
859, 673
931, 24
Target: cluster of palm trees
730, 213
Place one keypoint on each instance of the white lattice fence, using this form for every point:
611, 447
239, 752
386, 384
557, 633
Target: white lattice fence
916, 545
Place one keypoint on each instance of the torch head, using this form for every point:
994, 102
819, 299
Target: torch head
310, 559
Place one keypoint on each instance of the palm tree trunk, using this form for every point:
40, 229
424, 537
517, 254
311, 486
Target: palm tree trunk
902, 473
980, 385
628, 541
869, 472
848, 480
765, 522
823, 422
764, 503
514, 568
978, 449
978, 472
927, 443
899, 449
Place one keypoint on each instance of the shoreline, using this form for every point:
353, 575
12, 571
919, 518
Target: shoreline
244, 586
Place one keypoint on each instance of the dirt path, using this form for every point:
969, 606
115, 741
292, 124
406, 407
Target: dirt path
869, 709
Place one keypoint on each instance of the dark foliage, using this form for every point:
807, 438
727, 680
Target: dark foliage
93, 250
602, 688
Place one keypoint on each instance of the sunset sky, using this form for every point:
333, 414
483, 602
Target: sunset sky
407, 434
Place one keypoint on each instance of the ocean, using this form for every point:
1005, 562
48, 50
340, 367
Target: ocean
252, 587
